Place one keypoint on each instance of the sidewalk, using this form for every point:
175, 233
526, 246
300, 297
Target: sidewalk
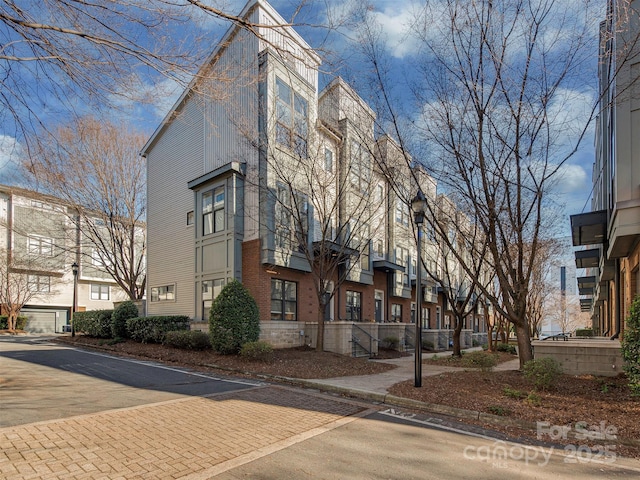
377, 386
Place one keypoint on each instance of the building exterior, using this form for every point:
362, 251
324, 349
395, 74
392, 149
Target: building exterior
283, 187
38, 245
609, 235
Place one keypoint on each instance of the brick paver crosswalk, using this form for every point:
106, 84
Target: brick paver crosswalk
194, 437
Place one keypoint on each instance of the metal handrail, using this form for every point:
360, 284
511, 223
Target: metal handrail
372, 339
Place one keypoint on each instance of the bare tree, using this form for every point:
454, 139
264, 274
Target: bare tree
94, 167
494, 83
62, 58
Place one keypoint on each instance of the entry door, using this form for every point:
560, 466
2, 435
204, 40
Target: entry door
379, 306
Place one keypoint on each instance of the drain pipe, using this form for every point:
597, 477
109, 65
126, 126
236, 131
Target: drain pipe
618, 300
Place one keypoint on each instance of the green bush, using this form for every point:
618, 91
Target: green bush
95, 323
584, 332
543, 372
391, 343
427, 345
259, 350
505, 347
187, 339
483, 360
21, 322
513, 393
154, 329
631, 347
121, 314
233, 319
499, 410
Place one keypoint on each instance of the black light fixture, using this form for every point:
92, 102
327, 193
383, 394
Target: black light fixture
419, 207
74, 269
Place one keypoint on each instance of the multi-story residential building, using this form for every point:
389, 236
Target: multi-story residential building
610, 233
38, 246
282, 186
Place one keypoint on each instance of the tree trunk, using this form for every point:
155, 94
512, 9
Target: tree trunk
525, 352
457, 352
490, 338
320, 336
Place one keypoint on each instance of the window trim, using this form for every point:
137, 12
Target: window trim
38, 241
157, 299
352, 307
100, 294
283, 301
39, 283
291, 128
212, 209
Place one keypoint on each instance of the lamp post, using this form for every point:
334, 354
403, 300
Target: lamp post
74, 269
419, 206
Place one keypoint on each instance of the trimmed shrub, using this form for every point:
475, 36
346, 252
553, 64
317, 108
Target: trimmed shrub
257, 351
233, 319
187, 339
391, 343
584, 332
121, 314
631, 347
427, 345
95, 323
21, 322
543, 372
505, 347
154, 329
483, 360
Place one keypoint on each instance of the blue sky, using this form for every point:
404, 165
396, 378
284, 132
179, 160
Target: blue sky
574, 183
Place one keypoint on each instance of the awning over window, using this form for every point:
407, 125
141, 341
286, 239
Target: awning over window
387, 266
589, 228
587, 258
586, 285
585, 304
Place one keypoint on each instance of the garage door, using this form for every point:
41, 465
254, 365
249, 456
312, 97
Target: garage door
44, 321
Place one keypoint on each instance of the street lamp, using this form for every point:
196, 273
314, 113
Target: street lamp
419, 206
74, 269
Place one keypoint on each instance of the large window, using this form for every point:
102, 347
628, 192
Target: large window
328, 160
284, 300
291, 216
360, 168
213, 211
291, 121
99, 292
38, 245
396, 312
402, 258
402, 207
165, 293
210, 290
354, 306
39, 283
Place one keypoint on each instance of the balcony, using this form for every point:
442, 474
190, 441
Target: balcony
586, 285
589, 228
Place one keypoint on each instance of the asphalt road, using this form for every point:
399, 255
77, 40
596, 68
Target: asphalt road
41, 380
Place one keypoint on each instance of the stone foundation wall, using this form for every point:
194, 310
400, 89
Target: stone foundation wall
283, 334
583, 357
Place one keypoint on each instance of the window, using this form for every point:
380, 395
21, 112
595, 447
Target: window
210, 290
426, 318
99, 292
284, 300
291, 121
354, 306
380, 248
402, 258
438, 315
98, 261
396, 312
166, 293
328, 160
38, 245
191, 218
413, 312
291, 216
213, 211
380, 193
39, 283
402, 207
360, 170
